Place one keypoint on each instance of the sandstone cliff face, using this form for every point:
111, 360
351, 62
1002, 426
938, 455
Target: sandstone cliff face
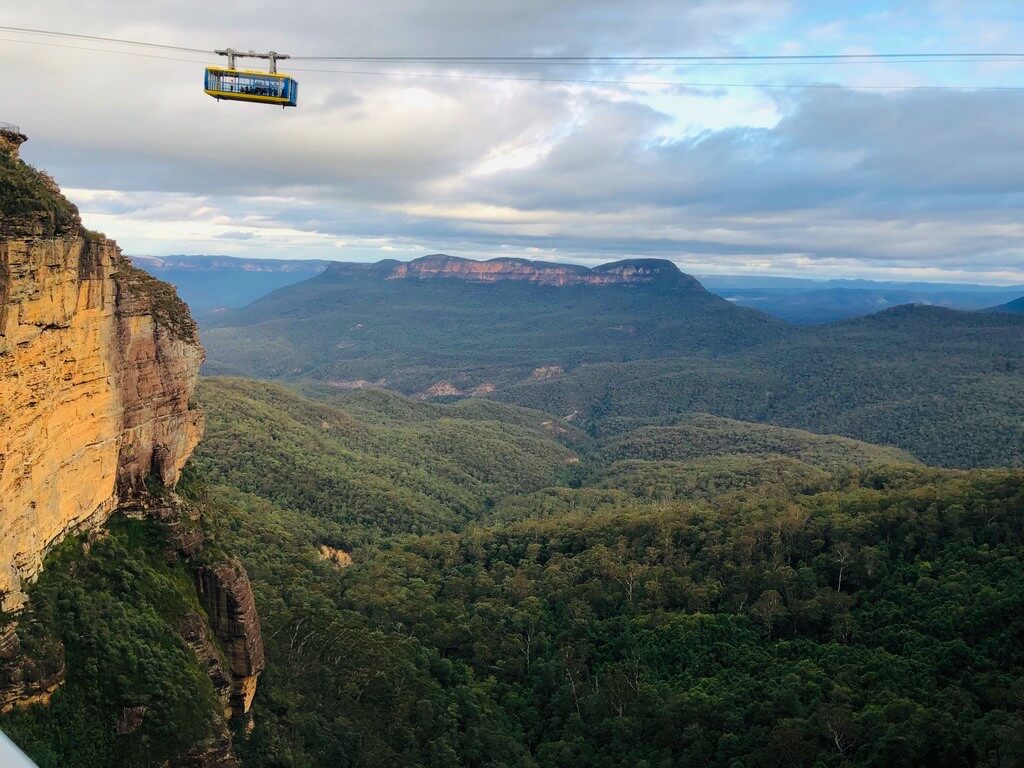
195, 632
630, 272
97, 366
226, 594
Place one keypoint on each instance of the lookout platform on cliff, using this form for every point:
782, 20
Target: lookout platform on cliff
11, 136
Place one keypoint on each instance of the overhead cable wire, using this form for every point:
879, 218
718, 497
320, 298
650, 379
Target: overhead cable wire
554, 60
663, 60
578, 60
102, 50
97, 38
50, 44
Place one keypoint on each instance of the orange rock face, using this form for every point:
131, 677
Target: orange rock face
339, 557
495, 270
226, 594
98, 363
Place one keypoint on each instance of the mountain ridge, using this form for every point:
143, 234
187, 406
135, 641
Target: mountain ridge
1013, 307
212, 263
211, 284
505, 318
910, 376
440, 265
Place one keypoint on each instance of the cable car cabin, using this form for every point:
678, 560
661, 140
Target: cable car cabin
251, 85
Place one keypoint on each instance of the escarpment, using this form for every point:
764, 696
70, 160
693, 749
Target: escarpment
98, 362
627, 272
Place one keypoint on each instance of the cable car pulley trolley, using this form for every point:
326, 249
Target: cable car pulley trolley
233, 84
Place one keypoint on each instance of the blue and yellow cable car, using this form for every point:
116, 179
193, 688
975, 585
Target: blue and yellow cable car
251, 85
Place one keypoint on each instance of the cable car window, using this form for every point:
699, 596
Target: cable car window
257, 86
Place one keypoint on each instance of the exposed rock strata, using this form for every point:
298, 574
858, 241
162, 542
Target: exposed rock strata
216, 752
98, 362
358, 384
194, 632
447, 389
226, 594
23, 680
634, 271
130, 720
547, 372
626, 272
338, 557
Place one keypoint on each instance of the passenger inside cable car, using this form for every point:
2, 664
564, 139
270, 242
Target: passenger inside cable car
240, 85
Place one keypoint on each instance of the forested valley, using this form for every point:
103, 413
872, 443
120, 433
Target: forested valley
480, 584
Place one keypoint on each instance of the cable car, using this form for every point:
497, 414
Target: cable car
251, 85
233, 84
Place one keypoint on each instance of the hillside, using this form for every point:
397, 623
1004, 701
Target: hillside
1014, 307
394, 465
773, 623
808, 301
700, 435
373, 463
942, 384
373, 458
416, 326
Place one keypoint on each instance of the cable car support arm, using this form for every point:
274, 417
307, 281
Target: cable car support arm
232, 54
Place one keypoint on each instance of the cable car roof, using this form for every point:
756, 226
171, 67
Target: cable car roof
260, 72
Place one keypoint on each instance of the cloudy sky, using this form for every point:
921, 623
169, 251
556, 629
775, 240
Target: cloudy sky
723, 169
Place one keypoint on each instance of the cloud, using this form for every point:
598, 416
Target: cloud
827, 181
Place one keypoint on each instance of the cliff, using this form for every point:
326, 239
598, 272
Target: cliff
627, 272
226, 595
25, 680
98, 362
